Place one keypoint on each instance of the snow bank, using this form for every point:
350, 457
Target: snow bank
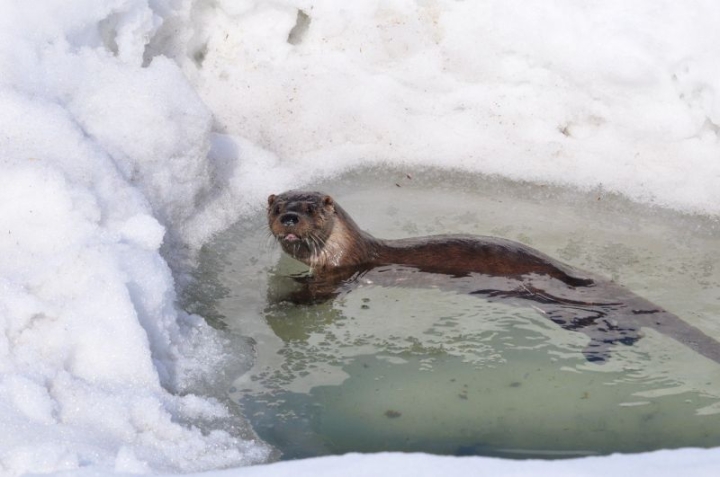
102, 160
131, 127
608, 93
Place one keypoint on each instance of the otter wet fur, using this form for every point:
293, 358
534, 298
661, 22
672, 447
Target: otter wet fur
313, 229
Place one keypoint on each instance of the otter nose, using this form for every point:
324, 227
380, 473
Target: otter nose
289, 219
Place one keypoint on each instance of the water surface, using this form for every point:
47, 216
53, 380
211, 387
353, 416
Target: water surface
390, 368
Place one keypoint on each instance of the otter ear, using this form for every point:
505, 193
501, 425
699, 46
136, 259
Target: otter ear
328, 202
271, 199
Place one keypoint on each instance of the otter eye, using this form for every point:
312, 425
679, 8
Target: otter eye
276, 210
311, 208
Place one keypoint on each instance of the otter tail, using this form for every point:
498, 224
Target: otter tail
616, 315
681, 331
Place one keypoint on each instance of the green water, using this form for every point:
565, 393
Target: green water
386, 368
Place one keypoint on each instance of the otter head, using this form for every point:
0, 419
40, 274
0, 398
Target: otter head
302, 222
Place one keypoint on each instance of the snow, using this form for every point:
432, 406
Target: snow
132, 130
694, 462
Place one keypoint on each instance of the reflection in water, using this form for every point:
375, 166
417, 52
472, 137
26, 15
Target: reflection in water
501, 388
400, 368
393, 368
606, 312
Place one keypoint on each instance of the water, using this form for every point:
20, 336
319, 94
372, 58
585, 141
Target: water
389, 368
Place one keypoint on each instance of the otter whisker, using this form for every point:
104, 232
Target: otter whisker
270, 245
311, 249
271, 242
316, 245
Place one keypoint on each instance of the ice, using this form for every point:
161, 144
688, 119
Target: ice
132, 130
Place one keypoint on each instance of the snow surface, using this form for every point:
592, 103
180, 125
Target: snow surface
132, 130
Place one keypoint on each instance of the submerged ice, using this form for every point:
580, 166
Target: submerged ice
132, 130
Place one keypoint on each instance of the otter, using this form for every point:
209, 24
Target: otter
315, 230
